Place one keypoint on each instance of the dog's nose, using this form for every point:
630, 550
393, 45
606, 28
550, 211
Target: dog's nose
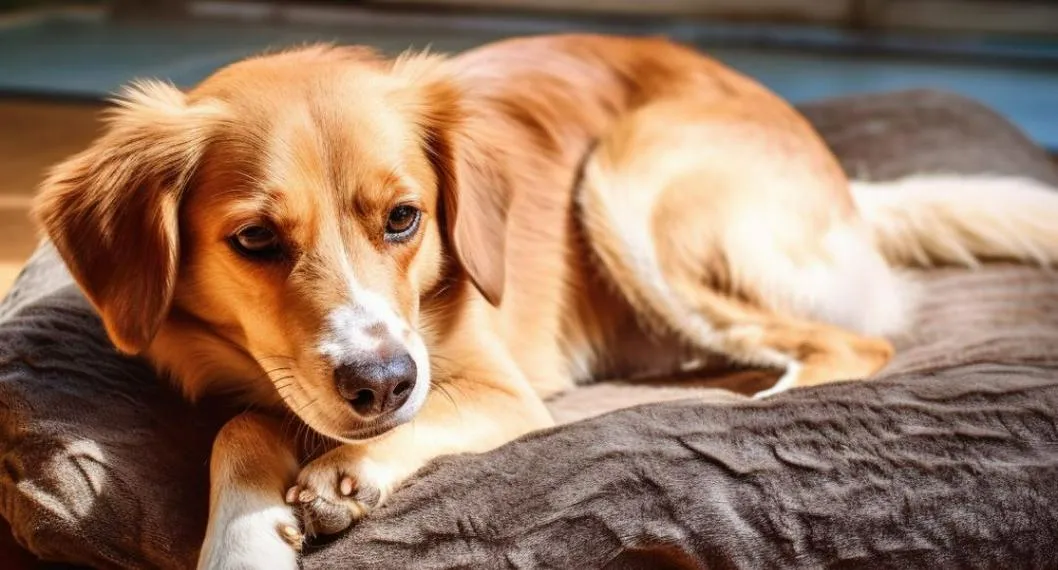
376, 386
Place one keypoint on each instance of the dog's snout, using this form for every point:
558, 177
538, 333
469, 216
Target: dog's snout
375, 386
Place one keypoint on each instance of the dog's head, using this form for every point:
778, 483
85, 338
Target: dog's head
282, 223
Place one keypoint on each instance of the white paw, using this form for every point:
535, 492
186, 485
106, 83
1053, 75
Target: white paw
248, 532
786, 381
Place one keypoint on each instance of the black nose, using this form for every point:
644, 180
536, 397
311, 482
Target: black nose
376, 386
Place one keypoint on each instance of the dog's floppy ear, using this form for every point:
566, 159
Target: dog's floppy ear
474, 190
111, 211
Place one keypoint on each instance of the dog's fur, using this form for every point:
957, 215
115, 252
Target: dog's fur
581, 197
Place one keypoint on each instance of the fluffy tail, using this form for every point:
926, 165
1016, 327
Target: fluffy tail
940, 219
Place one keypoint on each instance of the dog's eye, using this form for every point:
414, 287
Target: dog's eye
402, 222
257, 242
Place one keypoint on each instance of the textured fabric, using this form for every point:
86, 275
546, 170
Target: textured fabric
101, 464
956, 470
950, 461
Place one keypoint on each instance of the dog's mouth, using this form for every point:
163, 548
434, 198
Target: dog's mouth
330, 416
367, 433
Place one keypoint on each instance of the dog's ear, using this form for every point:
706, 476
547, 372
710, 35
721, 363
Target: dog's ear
475, 191
112, 210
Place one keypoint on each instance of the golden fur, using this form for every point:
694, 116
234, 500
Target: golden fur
581, 196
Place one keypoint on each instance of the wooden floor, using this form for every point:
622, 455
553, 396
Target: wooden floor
33, 136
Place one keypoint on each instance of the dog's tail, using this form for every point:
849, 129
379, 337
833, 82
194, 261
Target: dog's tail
931, 220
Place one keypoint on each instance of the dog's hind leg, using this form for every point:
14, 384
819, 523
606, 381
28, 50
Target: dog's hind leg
250, 524
743, 240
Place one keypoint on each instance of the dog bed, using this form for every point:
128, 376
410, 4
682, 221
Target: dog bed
949, 459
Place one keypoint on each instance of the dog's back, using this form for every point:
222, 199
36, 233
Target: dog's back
709, 209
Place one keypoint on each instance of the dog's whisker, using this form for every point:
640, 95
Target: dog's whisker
320, 441
275, 357
283, 383
268, 373
443, 390
287, 424
445, 386
305, 407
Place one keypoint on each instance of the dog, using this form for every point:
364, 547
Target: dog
408, 255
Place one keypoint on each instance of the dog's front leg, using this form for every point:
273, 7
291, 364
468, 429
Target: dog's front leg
340, 487
250, 526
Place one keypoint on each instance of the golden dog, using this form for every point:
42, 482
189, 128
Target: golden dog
409, 254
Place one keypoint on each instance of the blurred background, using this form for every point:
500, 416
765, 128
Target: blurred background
60, 60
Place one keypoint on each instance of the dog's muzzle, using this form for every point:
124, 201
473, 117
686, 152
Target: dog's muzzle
379, 383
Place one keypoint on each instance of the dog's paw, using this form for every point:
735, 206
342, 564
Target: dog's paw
788, 380
336, 490
250, 531
291, 535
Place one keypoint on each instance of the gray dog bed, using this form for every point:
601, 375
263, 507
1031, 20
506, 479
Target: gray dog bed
949, 460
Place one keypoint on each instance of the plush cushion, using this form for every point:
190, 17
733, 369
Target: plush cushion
948, 460
955, 469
